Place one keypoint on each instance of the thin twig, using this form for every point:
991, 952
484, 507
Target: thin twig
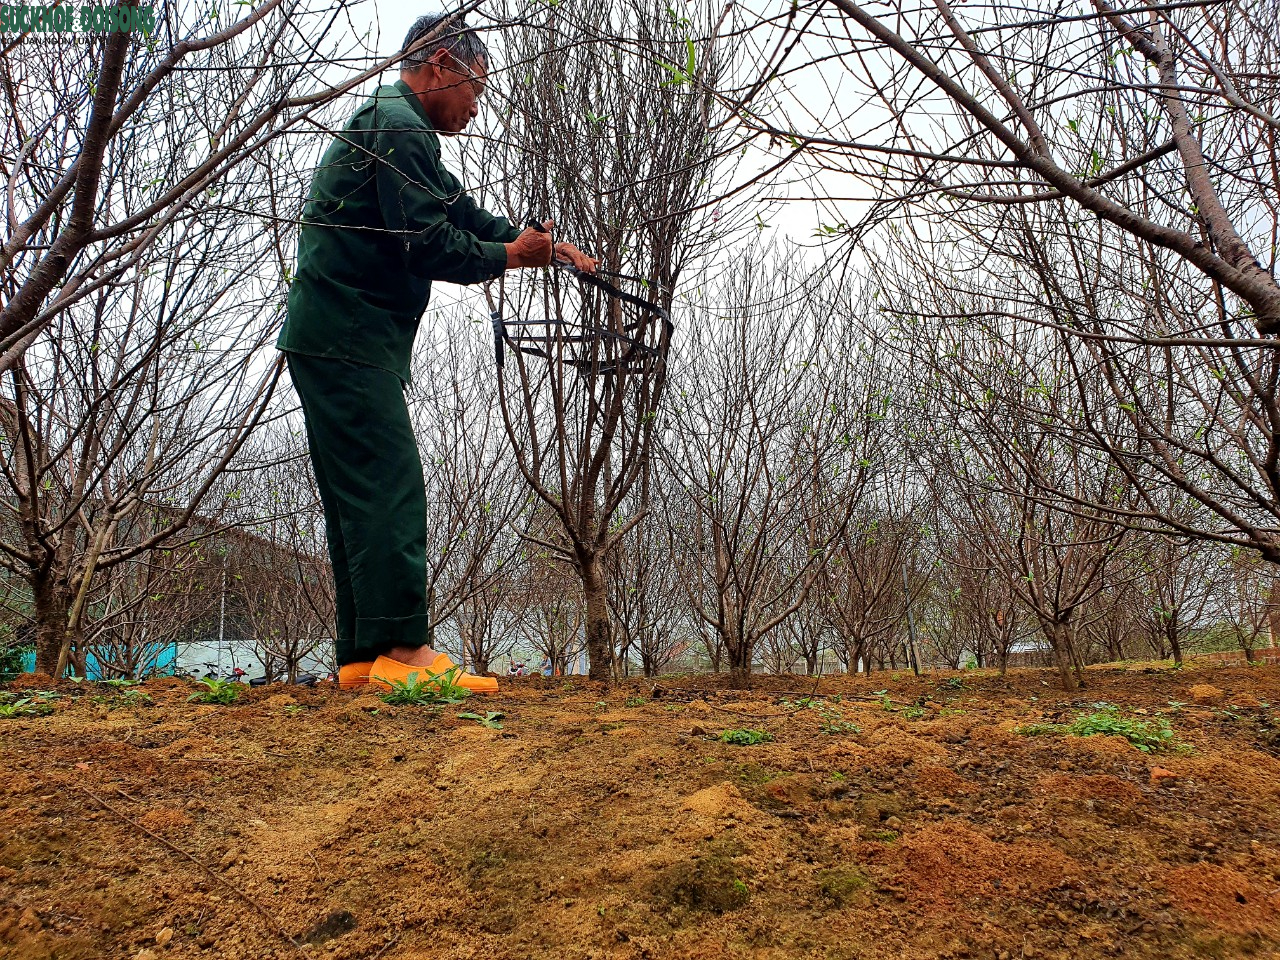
206, 760
759, 694
744, 713
262, 911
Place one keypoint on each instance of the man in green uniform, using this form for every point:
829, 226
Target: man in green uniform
384, 218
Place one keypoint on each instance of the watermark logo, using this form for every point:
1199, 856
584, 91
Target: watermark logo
68, 19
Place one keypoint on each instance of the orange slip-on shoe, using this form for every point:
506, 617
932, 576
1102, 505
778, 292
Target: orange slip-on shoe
385, 670
354, 675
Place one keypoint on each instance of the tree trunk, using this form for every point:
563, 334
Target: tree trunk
599, 635
472, 650
623, 660
739, 650
1077, 660
1273, 613
856, 653
53, 606
1171, 633
79, 656
1059, 635
1114, 645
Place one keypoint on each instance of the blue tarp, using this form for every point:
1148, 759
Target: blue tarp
165, 661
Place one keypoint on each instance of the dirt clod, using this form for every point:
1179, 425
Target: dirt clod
1206, 694
841, 885
334, 925
708, 883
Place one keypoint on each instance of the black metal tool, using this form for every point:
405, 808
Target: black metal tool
635, 348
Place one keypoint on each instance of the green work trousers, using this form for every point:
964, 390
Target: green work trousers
369, 472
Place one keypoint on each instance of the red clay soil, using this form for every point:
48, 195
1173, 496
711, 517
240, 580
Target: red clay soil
612, 823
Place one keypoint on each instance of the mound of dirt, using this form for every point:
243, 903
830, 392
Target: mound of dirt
934, 820
943, 864
721, 800
1226, 898
1101, 787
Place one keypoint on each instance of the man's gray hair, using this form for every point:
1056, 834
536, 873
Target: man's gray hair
458, 39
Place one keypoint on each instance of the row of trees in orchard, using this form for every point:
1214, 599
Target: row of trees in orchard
1020, 401
816, 492
817, 500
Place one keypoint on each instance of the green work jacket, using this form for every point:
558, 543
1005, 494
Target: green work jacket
384, 218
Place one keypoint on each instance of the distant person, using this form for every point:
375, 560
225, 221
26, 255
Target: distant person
546, 667
383, 220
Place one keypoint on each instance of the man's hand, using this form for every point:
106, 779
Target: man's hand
571, 254
531, 249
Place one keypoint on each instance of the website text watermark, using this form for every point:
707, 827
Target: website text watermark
68, 19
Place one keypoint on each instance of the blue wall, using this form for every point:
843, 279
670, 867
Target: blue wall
165, 662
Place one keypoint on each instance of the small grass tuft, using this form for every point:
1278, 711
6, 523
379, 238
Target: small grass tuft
125, 697
25, 707
746, 738
1149, 736
433, 690
489, 720
803, 703
839, 886
834, 723
224, 692
754, 774
1040, 729
915, 711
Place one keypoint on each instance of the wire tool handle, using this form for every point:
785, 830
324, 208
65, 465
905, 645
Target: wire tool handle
632, 346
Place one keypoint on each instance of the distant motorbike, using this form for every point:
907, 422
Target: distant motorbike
235, 674
238, 675
302, 680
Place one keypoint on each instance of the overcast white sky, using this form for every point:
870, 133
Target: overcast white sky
387, 21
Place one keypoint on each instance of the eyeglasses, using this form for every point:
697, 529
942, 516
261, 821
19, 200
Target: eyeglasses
474, 82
